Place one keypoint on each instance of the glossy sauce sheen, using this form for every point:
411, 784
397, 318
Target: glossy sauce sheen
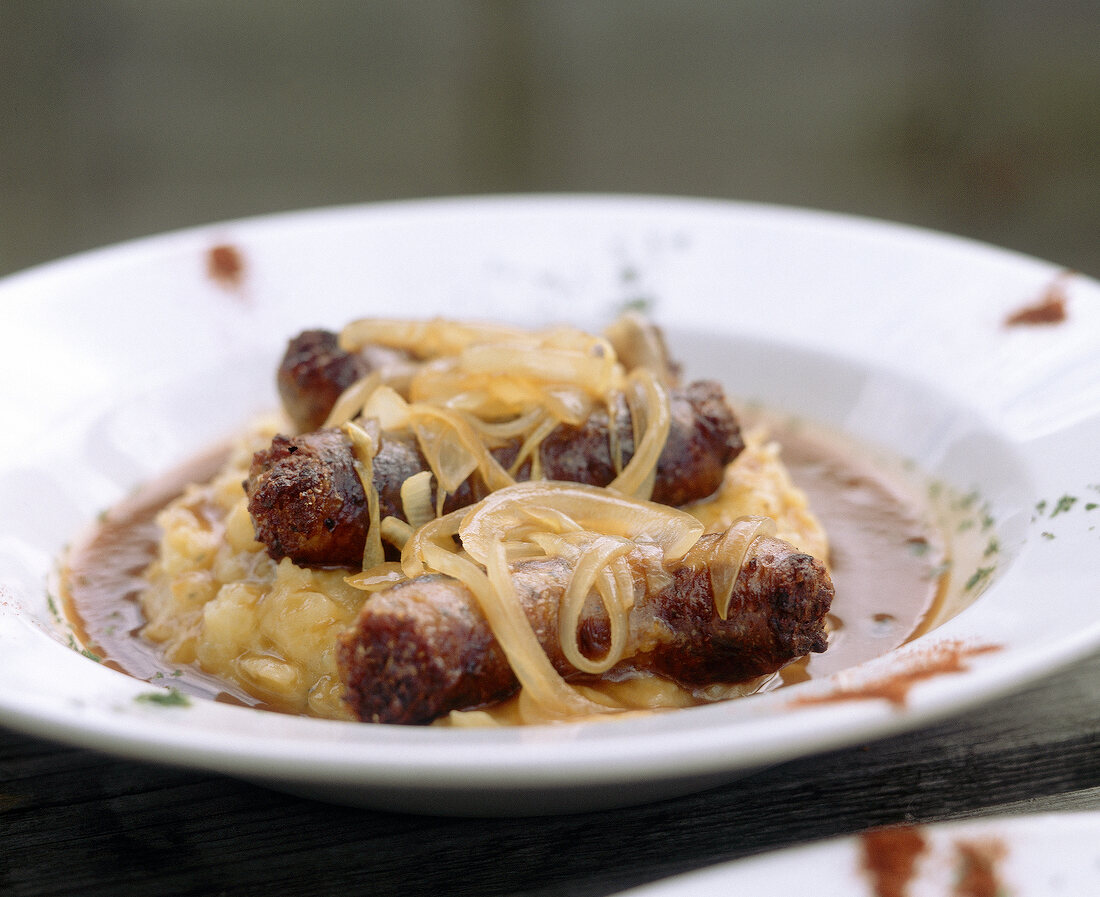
886, 555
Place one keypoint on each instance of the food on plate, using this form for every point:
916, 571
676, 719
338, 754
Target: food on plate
733, 607
307, 502
470, 523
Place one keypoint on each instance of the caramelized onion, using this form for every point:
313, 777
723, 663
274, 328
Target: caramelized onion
364, 447
652, 418
590, 367
514, 388
503, 430
530, 448
423, 339
595, 529
639, 343
439, 533
495, 594
729, 554
592, 570
396, 531
449, 442
388, 407
453, 449
416, 499
351, 401
378, 578
590, 507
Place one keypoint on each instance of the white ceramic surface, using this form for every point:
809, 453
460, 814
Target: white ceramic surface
1049, 855
121, 363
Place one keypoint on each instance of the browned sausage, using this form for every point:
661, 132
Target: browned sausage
314, 371
703, 438
312, 374
307, 503
422, 648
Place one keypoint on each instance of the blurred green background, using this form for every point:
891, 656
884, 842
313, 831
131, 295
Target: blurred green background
978, 117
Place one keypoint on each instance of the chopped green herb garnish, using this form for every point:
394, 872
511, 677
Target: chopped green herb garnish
170, 698
80, 649
640, 304
979, 575
968, 500
1064, 504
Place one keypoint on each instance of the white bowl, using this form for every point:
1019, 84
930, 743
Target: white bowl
121, 363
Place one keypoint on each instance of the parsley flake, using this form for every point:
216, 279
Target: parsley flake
979, 575
173, 697
1064, 504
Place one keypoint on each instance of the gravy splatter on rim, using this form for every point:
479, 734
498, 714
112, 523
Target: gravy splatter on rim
938, 659
225, 265
1049, 309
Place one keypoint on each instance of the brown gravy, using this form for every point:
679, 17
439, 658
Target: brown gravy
888, 557
102, 583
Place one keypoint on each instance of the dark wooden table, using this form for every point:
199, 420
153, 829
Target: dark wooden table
77, 822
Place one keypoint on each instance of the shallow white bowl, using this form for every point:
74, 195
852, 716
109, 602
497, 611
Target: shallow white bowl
121, 363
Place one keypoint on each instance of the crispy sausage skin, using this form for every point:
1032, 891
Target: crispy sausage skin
703, 438
314, 371
307, 503
423, 648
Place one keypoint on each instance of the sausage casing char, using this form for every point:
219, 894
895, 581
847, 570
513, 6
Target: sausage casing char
312, 374
308, 504
314, 370
703, 438
422, 648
